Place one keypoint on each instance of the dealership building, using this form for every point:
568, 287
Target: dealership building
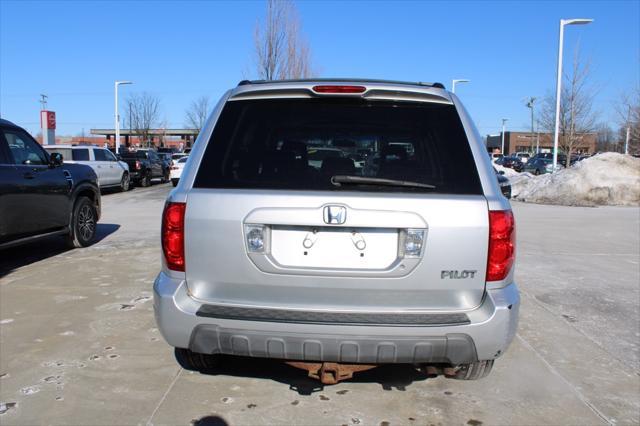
537, 142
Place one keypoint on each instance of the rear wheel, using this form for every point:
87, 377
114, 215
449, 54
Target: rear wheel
474, 371
125, 182
83, 223
146, 180
190, 360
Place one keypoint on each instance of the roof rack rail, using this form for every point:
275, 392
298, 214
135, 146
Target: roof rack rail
342, 80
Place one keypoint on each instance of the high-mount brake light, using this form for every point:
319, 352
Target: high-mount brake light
502, 244
339, 89
173, 235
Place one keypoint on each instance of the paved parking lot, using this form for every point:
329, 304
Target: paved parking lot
79, 345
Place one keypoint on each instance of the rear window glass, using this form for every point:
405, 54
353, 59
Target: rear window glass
80, 154
65, 152
303, 143
135, 154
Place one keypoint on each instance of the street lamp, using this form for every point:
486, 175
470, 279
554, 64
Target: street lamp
117, 115
563, 22
504, 120
453, 84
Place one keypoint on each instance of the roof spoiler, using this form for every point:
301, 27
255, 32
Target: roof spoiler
436, 85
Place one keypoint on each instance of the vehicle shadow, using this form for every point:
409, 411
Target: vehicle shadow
13, 258
209, 421
390, 376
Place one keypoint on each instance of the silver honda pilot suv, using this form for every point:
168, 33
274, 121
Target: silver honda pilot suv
339, 222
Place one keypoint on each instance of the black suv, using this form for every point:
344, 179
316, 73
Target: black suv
42, 196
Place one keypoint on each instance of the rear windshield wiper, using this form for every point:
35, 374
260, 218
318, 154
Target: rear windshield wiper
338, 180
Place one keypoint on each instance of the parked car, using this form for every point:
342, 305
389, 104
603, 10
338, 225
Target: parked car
111, 172
317, 155
540, 166
562, 159
523, 156
166, 150
504, 183
511, 162
578, 157
264, 256
176, 157
176, 170
145, 165
167, 158
519, 166
40, 195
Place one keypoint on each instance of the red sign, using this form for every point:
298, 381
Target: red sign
48, 120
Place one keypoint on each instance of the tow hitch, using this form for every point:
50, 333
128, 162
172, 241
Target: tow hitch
330, 373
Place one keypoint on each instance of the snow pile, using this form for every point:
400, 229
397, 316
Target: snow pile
605, 179
507, 171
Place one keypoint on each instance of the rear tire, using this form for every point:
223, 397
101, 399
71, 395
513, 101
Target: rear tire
194, 361
125, 182
146, 180
84, 222
474, 371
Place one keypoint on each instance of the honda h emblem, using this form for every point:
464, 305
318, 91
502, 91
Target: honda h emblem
335, 215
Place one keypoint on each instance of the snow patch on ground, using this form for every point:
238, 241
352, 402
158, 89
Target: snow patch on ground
608, 179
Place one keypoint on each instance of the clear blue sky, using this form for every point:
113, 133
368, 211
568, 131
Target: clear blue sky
74, 50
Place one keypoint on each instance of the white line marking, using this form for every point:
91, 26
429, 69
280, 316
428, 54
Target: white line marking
580, 396
175, 379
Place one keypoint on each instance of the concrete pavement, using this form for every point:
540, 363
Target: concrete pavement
78, 342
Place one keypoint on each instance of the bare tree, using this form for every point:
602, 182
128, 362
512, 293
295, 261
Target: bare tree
629, 119
143, 110
606, 138
281, 52
576, 114
198, 112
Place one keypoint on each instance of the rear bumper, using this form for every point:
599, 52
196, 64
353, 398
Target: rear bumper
485, 336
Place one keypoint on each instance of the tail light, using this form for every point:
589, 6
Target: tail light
173, 168
339, 89
502, 244
173, 235
138, 165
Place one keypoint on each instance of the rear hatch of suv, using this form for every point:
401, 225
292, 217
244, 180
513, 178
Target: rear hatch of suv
337, 202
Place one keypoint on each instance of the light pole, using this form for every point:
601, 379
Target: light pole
563, 22
626, 141
504, 120
453, 83
530, 104
117, 115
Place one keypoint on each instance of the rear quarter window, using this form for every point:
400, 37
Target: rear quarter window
81, 154
65, 152
302, 143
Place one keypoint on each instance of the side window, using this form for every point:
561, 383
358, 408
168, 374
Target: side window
100, 155
4, 151
110, 156
24, 149
80, 154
